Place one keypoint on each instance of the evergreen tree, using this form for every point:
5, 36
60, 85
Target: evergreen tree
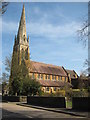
15, 75
20, 82
31, 87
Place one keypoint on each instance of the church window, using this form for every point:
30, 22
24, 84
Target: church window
33, 76
38, 76
22, 54
49, 77
59, 78
41, 76
46, 77
24, 38
26, 54
47, 88
54, 88
55, 77
52, 77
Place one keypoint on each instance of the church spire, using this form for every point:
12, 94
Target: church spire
22, 27
22, 41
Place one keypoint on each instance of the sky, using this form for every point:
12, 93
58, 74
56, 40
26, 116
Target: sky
52, 29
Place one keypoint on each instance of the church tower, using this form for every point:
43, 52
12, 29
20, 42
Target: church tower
21, 45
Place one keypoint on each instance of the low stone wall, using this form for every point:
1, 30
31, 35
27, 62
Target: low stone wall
81, 103
14, 98
53, 102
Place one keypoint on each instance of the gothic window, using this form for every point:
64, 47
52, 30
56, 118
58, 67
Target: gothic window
41, 76
33, 76
26, 54
38, 76
55, 77
22, 53
46, 77
24, 38
49, 77
47, 89
52, 77
59, 78
54, 88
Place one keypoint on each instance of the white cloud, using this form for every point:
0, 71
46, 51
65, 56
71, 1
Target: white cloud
9, 27
52, 31
44, 29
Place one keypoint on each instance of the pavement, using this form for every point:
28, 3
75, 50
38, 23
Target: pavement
60, 110
12, 111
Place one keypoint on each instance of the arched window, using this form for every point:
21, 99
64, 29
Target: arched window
46, 77
22, 53
41, 76
52, 77
33, 75
49, 77
38, 76
26, 54
24, 38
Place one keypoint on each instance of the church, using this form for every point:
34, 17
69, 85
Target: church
52, 78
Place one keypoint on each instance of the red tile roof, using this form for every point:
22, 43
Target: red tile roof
72, 73
49, 83
43, 68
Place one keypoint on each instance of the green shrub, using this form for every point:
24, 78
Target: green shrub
80, 93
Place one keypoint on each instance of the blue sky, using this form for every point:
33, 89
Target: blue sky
52, 30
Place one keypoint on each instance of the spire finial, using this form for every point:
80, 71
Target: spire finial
23, 8
22, 25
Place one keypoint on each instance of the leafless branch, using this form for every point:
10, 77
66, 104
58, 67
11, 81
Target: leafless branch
3, 6
83, 32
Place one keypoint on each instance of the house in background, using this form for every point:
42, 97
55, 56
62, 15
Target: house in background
52, 78
72, 77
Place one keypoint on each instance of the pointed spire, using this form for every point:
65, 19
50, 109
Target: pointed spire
15, 40
28, 39
22, 25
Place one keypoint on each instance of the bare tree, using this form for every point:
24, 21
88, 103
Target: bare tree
6, 74
7, 63
3, 7
84, 32
84, 36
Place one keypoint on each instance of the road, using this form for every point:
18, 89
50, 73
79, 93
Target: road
11, 110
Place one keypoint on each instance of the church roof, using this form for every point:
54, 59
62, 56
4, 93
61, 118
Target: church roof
72, 73
49, 83
38, 67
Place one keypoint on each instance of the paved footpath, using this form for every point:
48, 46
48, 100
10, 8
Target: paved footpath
60, 110
11, 110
